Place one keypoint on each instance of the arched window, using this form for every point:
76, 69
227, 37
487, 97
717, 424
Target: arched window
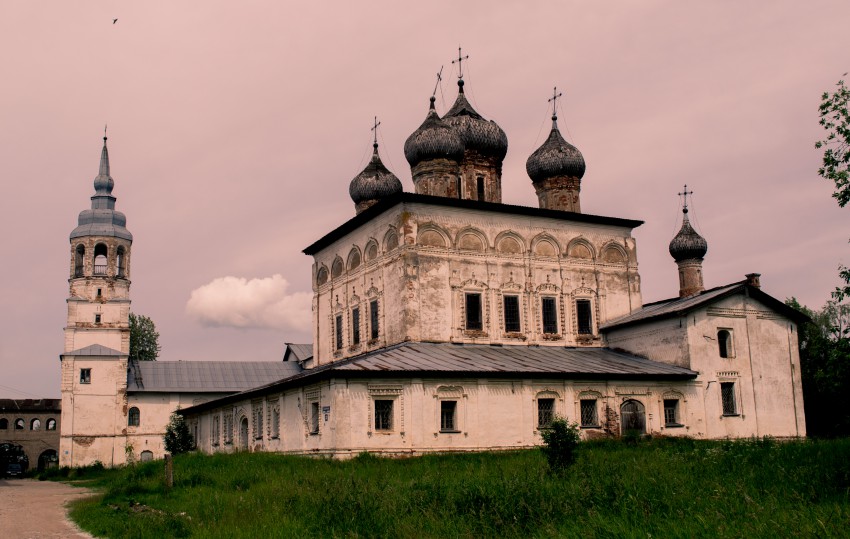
35, 424
146, 456
19, 424
4, 424
51, 424
133, 417
79, 257
120, 262
724, 343
100, 259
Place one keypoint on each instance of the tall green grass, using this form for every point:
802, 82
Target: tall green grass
661, 488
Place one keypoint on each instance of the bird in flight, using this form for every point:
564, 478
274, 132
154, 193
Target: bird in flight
114, 21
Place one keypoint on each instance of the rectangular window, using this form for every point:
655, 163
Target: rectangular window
99, 292
85, 376
511, 314
545, 413
355, 326
373, 318
338, 329
473, 312
480, 185
448, 412
671, 412
727, 394
314, 418
583, 317
228, 428
258, 433
383, 415
550, 315
97, 319
588, 413
275, 423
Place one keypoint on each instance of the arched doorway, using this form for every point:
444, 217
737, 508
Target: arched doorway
49, 458
146, 456
243, 433
632, 417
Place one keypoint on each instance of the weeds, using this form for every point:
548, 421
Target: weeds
660, 487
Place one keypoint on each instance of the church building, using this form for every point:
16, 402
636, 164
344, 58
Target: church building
445, 320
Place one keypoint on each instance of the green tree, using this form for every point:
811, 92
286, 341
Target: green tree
825, 365
177, 437
560, 442
835, 119
144, 339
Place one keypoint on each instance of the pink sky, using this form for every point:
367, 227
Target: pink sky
235, 128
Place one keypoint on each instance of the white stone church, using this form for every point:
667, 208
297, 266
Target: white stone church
444, 320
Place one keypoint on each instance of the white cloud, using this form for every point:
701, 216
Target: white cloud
250, 303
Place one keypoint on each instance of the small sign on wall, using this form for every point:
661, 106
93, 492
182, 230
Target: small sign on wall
327, 411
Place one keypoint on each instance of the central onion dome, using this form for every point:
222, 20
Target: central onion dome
687, 244
476, 133
373, 184
433, 140
555, 157
102, 219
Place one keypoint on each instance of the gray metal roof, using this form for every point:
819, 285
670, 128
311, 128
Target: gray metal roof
672, 308
298, 352
30, 405
206, 376
453, 360
95, 350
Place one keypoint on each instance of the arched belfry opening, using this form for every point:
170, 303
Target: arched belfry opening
121, 262
100, 260
79, 260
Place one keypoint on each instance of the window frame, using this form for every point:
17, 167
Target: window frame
85, 376
138, 417
453, 428
374, 322
470, 323
35, 424
50, 424
549, 317
593, 405
20, 424
355, 326
725, 344
514, 311
388, 415
584, 324
729, 398
672, 419
338, 332
315, 418
551, 412
4, 423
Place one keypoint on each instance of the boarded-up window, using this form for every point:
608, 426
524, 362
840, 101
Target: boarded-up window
509, 245
383, 415
584, 318
473, 312
727, 394
470, 242
431, 238
545, 413
550, 315
589, 418
545, 248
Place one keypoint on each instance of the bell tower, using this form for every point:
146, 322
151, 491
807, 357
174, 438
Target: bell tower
97, 332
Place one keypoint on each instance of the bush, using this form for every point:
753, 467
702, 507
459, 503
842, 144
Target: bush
560, 442
177, 437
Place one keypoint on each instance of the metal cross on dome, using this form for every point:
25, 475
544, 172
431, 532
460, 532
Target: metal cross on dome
439, 78
375, 130
685, 194
554, 100
459, 62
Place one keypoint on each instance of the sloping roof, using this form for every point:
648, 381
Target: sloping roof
30, 405
205, 376
676, 307
453, 360
414, 198
95, 350
298, 352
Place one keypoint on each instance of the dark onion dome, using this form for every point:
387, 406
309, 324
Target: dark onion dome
555, 157
374, 182
476, 133
102, 219
433, 140
687, 244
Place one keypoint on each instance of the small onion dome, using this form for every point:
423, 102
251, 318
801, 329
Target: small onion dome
433, 140
555, 157
476, 133
374, 182
687, 244
102, 219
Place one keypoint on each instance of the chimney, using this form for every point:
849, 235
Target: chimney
753, 280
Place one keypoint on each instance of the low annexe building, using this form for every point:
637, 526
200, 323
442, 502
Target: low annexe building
32, 424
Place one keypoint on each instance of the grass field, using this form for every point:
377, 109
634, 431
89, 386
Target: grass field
658, 488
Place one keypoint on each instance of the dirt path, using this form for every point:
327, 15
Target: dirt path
36, 509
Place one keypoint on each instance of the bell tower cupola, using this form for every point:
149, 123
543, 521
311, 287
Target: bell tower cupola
99, 291
374, 182
688, 249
